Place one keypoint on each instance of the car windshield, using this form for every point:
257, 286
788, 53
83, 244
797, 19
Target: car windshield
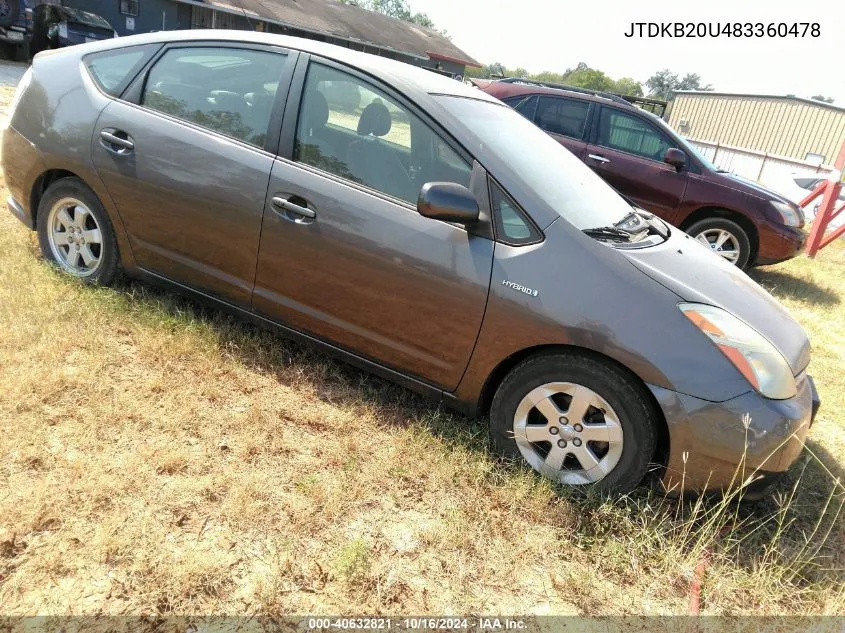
551, 171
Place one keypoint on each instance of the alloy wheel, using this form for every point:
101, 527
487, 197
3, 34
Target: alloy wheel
568, 433
721, 242
74, 237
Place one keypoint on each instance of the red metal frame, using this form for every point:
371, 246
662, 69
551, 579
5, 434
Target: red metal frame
829, 190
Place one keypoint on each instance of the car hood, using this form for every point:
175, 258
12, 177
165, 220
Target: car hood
698, 276
751, 187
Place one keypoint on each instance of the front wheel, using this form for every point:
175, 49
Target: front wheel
724, 238
75, 232
577, 420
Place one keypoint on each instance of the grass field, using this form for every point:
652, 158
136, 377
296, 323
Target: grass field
158, 457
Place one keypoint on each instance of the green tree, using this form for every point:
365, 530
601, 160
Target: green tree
399, 9
663, 83
628, 86
582, 76
488, 71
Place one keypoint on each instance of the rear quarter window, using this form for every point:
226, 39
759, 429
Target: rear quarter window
113, 70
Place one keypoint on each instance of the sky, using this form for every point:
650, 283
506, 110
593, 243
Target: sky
557, 34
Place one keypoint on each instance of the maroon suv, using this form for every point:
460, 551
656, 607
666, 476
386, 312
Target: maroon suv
644, 159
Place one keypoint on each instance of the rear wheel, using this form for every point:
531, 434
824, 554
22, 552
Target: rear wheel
725, 238
75, 233
576, 420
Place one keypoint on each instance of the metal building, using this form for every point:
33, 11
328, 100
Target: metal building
791, 127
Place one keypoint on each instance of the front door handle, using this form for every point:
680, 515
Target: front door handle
599, 158
286, 205
116, 141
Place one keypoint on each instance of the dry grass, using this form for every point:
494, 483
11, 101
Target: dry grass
162, 458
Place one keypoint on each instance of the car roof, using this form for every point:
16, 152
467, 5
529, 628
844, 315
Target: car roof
515, 88
406, 77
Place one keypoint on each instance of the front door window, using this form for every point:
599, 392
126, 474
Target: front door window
352, 129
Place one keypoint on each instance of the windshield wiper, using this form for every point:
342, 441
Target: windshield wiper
608, 233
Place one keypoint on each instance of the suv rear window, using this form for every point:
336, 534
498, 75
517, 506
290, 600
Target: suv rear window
566, 117
525, 105
113, 70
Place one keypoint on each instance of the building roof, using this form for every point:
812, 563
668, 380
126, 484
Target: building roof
711, 93
347, 22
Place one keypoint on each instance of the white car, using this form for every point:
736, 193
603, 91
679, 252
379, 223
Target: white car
798, 185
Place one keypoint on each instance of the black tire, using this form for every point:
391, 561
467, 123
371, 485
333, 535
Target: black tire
623, 393
10, 11
22, 53
738, 233
9, 50
109, 257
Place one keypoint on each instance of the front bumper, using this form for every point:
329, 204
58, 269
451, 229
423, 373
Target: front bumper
779, 245
711, 448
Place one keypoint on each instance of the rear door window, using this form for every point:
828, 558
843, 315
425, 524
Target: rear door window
567, 117
628, 133
228, 90
113, 70
807, 183
525, 105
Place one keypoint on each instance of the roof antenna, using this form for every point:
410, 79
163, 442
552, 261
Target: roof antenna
246, 17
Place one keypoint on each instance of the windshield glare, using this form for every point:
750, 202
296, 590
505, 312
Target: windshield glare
550, 170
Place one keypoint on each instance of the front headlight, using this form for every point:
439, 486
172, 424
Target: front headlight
750, 352
790, 216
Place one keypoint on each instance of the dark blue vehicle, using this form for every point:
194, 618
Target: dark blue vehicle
16, 27
30, 26
57, 27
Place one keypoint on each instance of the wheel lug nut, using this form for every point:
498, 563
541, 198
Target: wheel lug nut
576, 442
578, 428
561, 443
563, 420
554, 430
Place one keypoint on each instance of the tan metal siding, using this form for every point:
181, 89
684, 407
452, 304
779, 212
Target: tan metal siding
776, 125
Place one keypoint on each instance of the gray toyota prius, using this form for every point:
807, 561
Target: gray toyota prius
420, 229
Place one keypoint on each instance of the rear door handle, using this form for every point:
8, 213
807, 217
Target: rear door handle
116, 141
599, 158
286, 205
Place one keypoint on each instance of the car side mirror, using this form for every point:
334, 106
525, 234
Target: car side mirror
675, 157
449, 202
